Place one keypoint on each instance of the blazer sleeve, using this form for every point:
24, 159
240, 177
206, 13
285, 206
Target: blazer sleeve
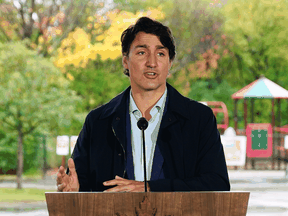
210, 171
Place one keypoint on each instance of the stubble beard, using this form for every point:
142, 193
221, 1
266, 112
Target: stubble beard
150, 87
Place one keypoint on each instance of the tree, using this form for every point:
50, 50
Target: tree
257, 36
36, 98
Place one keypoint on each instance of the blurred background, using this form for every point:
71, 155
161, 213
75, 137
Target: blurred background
61, 59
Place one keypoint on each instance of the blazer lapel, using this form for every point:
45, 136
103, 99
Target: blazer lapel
116, 111
170, 141
171, 145
119, 129
157, 166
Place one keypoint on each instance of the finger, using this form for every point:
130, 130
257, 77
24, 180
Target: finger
59, 178
117, 182
108, 183
61, 170
67, 189
61, 187
121, 188
71, 166
118, 177
133, 187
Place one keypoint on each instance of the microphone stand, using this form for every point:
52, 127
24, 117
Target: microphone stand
144, 155
142, 125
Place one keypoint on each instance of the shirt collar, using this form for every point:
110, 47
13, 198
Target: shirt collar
159, 105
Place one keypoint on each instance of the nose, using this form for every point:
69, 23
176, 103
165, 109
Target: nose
151, 61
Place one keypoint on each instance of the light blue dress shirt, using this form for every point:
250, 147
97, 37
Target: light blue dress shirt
151, 134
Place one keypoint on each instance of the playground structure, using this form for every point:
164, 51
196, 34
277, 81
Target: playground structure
219, 107
263, 88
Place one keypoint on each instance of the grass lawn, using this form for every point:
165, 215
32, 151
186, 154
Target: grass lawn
11, 195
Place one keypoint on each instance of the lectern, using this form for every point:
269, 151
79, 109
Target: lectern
147, 204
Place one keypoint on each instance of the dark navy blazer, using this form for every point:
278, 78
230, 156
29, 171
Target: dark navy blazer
188, 155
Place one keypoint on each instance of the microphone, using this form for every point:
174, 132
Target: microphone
142, 125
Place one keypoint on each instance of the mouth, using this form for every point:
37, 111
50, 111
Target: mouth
150, 75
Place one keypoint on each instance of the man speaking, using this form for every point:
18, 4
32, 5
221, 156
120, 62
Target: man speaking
183, 146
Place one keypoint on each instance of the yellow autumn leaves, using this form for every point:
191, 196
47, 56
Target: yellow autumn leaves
77, 49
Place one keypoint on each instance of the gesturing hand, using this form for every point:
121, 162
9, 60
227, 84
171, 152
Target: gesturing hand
66, 183
125, 185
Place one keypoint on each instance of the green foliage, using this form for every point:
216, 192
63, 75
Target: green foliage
33, 151
98, 82
257, 31
8, 146
210, 90
134, 6
190, 22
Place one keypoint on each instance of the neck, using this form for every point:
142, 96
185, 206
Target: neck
145, 100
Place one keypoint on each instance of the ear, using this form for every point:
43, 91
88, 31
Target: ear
125, 62
170, 63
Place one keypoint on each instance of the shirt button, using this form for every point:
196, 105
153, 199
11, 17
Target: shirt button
119, 154
170, 119
117, 118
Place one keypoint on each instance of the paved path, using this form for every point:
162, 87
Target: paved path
268, 193
43, 212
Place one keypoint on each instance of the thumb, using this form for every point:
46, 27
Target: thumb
71, 166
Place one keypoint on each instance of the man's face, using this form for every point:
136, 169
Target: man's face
148, 63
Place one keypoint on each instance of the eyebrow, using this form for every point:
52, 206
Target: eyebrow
145, 46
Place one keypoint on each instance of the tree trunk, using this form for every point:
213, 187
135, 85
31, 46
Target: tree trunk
20, 158
44, 157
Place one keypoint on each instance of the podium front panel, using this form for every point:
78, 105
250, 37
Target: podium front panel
148, 204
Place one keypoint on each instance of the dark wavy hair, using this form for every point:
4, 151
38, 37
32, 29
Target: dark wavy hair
149, 26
